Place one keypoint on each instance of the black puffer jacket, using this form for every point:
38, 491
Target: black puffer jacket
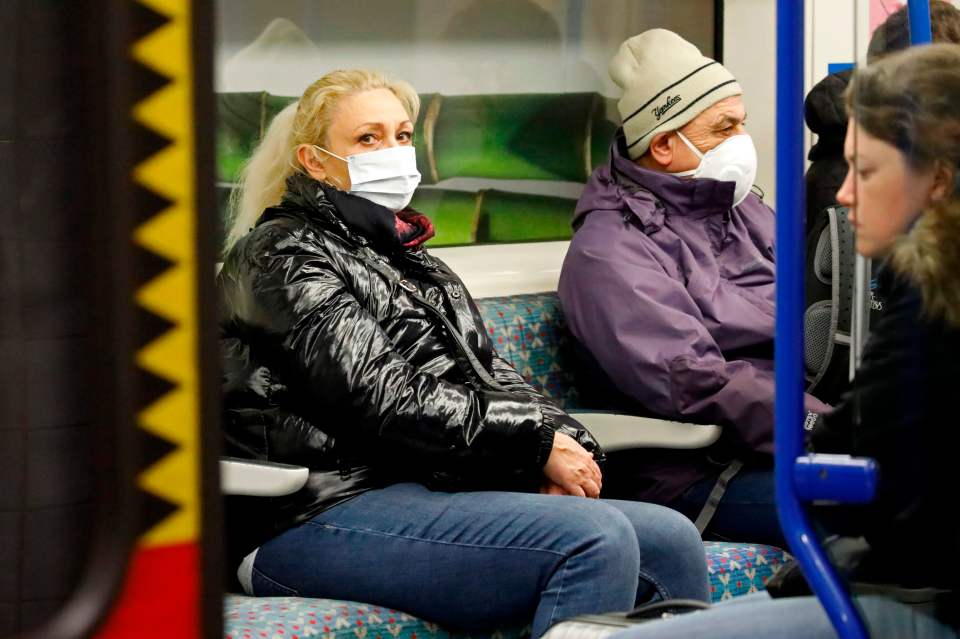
902, 412
345, 352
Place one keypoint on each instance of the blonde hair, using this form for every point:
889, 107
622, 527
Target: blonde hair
263, 177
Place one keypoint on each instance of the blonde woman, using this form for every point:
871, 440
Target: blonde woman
440, 482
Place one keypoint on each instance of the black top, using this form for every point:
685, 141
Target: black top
902, 412
826, 116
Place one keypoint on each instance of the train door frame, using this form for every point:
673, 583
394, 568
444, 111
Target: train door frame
155, 560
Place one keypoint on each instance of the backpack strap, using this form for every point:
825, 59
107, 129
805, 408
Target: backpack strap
713, 501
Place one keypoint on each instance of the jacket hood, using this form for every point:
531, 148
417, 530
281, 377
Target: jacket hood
929, 256
681, 196
826, 116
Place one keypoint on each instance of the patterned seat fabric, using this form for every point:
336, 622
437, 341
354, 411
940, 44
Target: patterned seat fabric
739, 569
529, 331
295, 618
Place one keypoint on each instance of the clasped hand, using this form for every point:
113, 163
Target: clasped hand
571, 470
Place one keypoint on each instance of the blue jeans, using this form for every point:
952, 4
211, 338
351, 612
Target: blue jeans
747, 512
484, 560
758, 615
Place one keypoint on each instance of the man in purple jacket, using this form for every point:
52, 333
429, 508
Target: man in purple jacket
669, 283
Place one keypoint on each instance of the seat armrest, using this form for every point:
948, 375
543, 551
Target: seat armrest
260, 478
623, 432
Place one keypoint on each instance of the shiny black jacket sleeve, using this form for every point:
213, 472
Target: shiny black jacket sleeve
259, 430
508, 377
345, 359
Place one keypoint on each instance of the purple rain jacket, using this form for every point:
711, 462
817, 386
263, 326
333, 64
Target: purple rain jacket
671, 290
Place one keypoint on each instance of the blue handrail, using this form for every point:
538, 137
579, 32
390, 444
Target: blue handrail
918, 12
800, 477
789, 330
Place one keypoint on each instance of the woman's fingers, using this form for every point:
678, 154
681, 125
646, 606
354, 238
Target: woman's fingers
584, 483
573, 468
598, 476
574, 490
590, 489
592, 472
550, 488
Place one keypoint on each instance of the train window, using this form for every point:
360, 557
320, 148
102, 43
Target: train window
517, 106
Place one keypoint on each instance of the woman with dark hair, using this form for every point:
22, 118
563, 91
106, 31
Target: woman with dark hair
903, 192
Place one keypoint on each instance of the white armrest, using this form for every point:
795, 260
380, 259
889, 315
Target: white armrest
259, 478
623, 432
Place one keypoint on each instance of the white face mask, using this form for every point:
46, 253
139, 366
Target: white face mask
387, 177
733, 160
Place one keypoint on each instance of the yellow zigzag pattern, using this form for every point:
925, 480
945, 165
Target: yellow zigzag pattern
172, 294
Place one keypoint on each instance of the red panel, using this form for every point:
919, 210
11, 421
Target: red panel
160, 596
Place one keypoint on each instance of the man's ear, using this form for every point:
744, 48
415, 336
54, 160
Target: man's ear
661, 149
307, 156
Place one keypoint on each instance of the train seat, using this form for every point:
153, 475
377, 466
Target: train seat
830, 298
734, 569
292, 617
522, 315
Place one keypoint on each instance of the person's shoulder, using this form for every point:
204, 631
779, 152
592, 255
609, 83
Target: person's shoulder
900, 317
615, 202
611, 228
756, 202
277, 235
270, 231
599, 193
611, 243
897, 289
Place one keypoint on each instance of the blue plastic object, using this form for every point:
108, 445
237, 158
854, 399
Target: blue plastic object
835, 478
837, 67
789, 331
919, 15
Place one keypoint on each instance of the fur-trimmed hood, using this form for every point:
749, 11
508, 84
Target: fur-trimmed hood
929, 255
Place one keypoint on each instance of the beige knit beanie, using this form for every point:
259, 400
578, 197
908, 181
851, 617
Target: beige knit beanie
666, 82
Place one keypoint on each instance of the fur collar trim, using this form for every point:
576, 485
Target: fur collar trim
929, 256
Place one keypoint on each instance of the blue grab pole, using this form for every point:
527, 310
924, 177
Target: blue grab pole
918, 12
789, 334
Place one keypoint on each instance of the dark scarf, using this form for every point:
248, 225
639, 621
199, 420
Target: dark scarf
389, 232
404, 230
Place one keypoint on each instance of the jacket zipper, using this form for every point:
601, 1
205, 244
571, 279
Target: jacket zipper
483, 377
477, 368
